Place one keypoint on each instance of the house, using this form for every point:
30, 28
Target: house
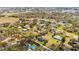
19, 27
32, 47
53, 25
41, 39
2, 38
24, 30
29, 49
57, 37
68, 24
27, 26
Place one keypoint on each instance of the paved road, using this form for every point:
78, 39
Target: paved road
48, 49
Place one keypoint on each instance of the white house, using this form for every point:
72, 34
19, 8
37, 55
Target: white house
58, 37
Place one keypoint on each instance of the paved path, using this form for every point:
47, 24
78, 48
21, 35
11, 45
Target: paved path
48, 49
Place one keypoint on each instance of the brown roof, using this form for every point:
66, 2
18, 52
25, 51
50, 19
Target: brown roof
2, 38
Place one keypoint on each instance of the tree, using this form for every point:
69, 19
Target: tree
3, 44
63, 40
46, 41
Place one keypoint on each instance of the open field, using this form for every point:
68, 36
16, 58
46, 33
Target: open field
8, 20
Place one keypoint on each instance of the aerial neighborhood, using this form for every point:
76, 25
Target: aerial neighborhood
39, 29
